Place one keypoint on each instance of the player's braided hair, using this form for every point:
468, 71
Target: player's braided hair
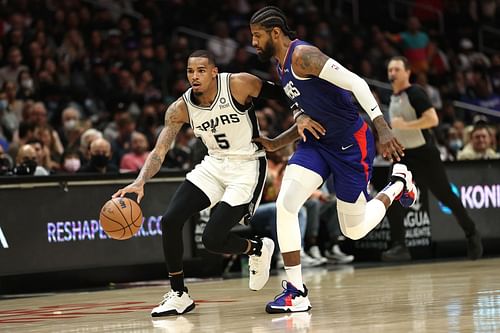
270, 17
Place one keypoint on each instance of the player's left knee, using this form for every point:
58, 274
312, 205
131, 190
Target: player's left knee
212, 241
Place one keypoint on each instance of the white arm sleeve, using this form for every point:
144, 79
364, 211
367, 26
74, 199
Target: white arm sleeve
338, 75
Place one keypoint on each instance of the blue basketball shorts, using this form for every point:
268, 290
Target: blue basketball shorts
349, 160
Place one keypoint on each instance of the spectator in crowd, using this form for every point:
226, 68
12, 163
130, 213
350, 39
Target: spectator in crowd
468, 58
51, 148
322, 215
14, 66
139, 151
43, 154
414, 42
100, 158
479, 147
26, 86
222, 45
70, 162
120, 145
70, 130
5, 162
431, 91
85, 140
179, 157
26, 162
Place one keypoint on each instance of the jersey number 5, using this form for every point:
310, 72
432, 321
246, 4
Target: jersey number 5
221, 141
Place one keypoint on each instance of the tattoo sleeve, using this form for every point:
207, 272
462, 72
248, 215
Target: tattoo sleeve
310, 61
167, 136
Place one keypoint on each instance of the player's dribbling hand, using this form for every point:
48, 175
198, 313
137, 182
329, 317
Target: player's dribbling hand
131, 188
304, 122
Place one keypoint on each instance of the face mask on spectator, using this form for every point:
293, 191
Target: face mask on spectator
99, 161
69, 124
72, 164
27, 84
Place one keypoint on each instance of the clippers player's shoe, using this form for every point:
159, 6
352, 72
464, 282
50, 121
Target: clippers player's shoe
259, 264
290, 300
409, 195
174, 303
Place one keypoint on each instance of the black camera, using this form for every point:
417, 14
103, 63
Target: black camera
4, 166
27, 167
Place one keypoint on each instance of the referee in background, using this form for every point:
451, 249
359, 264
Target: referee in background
412, 116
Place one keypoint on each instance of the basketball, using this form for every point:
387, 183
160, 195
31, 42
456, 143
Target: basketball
121, 218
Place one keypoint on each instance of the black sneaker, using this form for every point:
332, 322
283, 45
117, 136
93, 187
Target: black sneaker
474, 246
396, 253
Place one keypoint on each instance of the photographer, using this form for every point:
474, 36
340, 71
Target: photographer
26, 162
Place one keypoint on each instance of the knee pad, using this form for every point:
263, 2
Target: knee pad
359, 218
352, 216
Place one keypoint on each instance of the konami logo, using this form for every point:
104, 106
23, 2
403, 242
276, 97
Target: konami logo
480, 196
476, 196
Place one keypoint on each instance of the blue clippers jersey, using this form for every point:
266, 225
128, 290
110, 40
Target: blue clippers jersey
328, 104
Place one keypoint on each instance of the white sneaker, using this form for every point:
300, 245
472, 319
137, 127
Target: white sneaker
174, 303
307, 261
259, 266
315, 253
338, 256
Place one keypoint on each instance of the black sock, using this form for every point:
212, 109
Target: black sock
177, 282
255, 247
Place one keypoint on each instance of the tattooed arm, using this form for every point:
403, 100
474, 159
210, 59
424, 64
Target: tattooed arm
175, 117
309, 61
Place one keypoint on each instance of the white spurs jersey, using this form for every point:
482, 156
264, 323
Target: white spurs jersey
226, 130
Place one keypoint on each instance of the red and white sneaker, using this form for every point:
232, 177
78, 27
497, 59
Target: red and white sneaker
409, 194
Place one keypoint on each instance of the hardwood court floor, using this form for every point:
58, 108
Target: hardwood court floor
457, 296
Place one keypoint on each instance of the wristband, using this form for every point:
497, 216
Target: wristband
298, 114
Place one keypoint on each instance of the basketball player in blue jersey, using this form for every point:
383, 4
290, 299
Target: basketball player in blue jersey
344, 146
220, 110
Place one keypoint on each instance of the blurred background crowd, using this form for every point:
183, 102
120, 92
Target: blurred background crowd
84, 84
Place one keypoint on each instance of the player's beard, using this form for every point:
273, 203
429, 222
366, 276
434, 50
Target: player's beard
267, 52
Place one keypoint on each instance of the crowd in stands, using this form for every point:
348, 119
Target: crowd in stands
84, 85
73, 71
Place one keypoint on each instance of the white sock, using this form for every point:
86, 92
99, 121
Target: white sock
294, 274
393, 190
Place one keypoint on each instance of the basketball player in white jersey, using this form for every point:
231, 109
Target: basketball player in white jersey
219, 108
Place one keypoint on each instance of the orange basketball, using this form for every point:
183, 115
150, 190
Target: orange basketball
121, 218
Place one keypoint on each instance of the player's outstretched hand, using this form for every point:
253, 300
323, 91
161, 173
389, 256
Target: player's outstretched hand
269, 145
131, 188
392, 150
304, 122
